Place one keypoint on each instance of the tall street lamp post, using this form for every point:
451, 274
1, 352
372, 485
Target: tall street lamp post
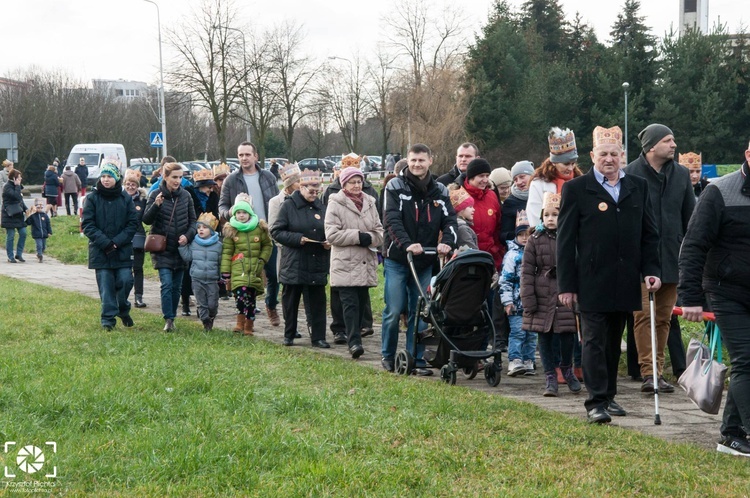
351, 67
162, 110
244, 62
625, 87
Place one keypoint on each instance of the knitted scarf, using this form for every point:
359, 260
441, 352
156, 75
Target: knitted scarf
358, 199
246, 226
213, 239
420, 184
518, 193
559, 180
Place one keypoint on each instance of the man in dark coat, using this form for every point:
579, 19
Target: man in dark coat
82, 171
715, 262
262, 186
110, 222
417, 211
672, 200
607, 244
466, 153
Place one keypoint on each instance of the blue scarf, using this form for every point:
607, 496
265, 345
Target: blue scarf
202, 198
213, 239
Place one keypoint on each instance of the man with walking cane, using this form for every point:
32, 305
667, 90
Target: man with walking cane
607, 244
672, 200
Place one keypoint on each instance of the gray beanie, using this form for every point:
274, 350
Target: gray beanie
652, 135
522, 168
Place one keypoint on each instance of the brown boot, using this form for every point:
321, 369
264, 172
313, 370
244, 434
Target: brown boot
249, 326
273, 316
240, 323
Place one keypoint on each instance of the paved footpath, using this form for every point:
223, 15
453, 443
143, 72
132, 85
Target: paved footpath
681, 420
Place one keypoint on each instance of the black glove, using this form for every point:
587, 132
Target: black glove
365, 239
110, 249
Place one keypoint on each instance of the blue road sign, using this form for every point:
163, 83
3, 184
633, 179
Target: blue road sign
157, 140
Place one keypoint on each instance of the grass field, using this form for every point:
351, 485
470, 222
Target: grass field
138, 413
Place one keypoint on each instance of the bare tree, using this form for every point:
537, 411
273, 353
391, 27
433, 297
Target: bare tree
206, 67
295, 75
346, 94
382, 77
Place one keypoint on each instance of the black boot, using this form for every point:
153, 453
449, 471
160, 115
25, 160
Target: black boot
186, 307
139, 301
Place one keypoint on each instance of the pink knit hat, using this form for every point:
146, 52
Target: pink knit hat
348, 173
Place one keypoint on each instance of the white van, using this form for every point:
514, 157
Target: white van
94, 154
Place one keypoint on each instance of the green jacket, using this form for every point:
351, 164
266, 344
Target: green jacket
245, 254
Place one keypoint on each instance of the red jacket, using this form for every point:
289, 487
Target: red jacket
487, 214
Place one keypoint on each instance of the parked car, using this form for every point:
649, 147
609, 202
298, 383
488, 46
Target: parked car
281, 161
146, 169
334, 159
323, 165
194, 166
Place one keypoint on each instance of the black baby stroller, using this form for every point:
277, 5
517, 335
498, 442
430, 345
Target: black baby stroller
458, 319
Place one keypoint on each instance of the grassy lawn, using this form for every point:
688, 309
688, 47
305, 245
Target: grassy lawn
143, 413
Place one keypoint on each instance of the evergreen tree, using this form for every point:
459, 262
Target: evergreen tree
547, 19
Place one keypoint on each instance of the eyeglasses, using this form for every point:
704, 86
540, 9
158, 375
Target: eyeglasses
354, 182
312, 188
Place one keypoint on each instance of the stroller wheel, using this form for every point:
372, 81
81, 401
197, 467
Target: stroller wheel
470, 372
404, 363
492, 374
448, 375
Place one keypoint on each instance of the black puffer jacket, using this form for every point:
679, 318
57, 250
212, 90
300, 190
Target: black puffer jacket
183, 223
12, 195
109, 218
511, 207
306, 264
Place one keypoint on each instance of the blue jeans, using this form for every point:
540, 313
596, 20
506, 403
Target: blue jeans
272, 280
41, 245
733, 320
114, 285
9, 241
171, 288
399, 291
521, 344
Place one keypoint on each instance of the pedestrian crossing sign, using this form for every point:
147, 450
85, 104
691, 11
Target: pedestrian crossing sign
157, 140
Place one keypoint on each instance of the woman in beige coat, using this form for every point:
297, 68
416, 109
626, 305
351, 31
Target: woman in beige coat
354, 231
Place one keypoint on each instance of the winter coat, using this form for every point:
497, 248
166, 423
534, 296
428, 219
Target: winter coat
413, 217
466, 235
353, 265
487, 220
41, 228
537, 188
183, 223
274, 206
511, 207
109, 218
71, 182
51, 183
3, 178
12, 195
714, 256
673, 201
235, 183
83, 174
541, 310
206, 259
449, 177
510, 277
604, 249
140, 207
306, 264
255, 247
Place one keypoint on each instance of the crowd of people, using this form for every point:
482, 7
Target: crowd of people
577, 255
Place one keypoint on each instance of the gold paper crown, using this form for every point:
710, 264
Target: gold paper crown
132, 175
690, 160
551, 201
221, 169
209, 220
522, 220
310, 177
203, 175
607, 136
561, 141
288, 170
350, 160
460, 199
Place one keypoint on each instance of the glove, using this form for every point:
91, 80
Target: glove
365, 239
224, 278
381, 259
110, 249
259, 268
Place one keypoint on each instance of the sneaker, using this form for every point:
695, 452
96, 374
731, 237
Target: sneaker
529, 366
516, 367
733, 445
389, 365
20, 259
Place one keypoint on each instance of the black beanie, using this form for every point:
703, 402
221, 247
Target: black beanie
477, 167
652, 135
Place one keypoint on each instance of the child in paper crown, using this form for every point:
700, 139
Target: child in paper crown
41, 228
205, 254
541, 311
521, 343
247, 247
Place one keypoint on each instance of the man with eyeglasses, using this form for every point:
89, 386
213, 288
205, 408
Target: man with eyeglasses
417, 211
262, 186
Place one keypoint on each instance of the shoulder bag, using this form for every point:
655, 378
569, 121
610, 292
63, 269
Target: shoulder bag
156, 242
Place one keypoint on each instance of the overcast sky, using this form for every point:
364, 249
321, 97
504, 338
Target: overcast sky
118, 39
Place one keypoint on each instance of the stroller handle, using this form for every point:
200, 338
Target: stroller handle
426, 250
707, 315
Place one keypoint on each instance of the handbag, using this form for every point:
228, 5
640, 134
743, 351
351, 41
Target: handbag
156, 242
14, 208
139, 241
703, 379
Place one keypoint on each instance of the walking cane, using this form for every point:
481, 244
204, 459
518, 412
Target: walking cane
655, 376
